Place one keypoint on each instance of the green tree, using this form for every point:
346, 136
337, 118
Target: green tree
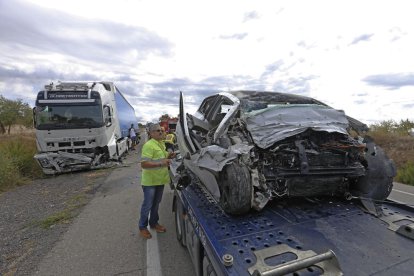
384, 126
14, 112
405, 126
164, 117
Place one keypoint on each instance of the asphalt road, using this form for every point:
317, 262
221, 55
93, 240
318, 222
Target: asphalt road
104, 239
403, 193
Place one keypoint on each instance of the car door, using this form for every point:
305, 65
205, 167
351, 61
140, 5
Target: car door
188, 154
220, 114
185, 145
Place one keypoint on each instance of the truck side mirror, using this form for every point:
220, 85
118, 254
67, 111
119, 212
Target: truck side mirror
107, 115
34, 117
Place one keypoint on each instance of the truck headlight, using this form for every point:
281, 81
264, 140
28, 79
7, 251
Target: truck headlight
44, 162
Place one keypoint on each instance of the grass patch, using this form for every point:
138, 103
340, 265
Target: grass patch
400, 148
77, 201
406, 174
17, 165
60, 217
67, 214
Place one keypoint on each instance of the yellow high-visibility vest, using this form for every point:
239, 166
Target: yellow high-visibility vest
170, 138
154, 151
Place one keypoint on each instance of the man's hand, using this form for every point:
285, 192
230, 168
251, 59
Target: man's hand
166, 162
171, 155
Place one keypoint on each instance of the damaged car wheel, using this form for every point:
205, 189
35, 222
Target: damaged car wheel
235, 189
378, 180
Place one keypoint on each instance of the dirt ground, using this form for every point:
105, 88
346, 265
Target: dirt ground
35, 216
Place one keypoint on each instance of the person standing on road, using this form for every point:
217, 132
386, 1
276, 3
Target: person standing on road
154, 163
170, 141
132, 136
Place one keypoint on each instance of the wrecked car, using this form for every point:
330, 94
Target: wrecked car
248, 147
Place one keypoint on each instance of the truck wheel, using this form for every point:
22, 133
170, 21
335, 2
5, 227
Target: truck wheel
117, 151
235, 189
380, 171
179, 223
127, 145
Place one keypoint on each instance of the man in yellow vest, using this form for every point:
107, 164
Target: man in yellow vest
170, 141
154, 163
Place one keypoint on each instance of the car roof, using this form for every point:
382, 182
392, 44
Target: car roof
286, 98
273, 97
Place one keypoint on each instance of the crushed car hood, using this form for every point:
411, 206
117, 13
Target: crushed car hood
271, 125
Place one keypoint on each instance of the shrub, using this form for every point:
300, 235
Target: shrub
9, 175
406, 174
394, 138
17, 165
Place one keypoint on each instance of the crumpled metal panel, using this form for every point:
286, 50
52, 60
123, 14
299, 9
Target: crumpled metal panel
274, 124
61, 162
215, 157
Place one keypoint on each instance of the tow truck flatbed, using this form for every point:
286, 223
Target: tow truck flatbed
304, 236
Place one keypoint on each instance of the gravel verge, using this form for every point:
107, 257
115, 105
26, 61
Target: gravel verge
35, 216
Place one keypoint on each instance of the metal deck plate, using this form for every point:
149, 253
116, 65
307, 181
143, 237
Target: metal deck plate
319, 225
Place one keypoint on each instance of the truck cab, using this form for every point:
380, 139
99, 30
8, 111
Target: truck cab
80, 125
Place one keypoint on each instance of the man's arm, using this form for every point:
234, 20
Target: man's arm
155, 164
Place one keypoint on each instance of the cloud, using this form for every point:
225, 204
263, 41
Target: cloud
27, 28
167, 92
364, 37
363, 94
271, 68
299, 85
408, 106
360, 101
396, 33
151, 100
238, 36
42, 74
391, 81
250, 16
303, 44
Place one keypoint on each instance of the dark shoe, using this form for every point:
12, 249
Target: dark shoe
159, 228
145, 233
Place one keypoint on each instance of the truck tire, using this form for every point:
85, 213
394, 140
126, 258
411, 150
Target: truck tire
380, 171
208, 269
179, 222
235, 189
127, 146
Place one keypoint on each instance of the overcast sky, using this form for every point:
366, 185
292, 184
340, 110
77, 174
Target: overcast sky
353, 55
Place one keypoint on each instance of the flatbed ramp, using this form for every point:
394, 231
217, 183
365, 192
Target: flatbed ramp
318, 236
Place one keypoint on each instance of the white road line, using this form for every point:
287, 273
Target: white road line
153, 256
403, 192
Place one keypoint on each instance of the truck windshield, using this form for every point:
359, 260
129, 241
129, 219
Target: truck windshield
68, 116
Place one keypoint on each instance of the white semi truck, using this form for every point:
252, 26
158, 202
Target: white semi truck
81, 125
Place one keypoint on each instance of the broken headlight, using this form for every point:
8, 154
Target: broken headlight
44, 162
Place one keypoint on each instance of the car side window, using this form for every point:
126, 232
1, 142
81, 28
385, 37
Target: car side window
221, 108
206, 105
